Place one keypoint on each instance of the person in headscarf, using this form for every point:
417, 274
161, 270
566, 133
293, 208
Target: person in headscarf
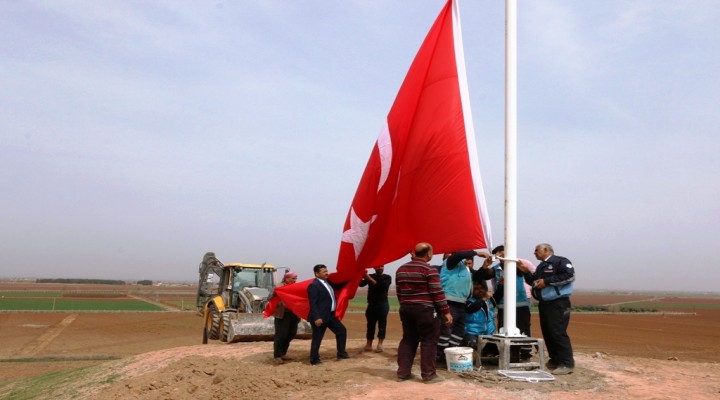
286, 324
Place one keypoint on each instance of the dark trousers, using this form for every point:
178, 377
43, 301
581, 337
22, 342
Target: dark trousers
522, 321
285, 331
420, 325
317, 336
554, 321
376, 315
452, 336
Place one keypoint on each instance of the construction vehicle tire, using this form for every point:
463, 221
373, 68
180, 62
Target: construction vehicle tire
214, 314
225, 326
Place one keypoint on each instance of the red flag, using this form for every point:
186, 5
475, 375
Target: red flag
422, 182
295, 298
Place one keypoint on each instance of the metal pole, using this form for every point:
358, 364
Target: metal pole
509, 321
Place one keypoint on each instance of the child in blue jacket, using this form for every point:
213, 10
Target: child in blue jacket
479, 314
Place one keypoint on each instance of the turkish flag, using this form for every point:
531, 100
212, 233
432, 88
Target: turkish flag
422, 181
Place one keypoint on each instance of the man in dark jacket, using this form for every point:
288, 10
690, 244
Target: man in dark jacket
552, 284
377, 306
322, 314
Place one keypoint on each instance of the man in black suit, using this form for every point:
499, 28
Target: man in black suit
322, 314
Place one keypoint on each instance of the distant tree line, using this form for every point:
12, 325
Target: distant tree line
614, 308
83, 281
145, 282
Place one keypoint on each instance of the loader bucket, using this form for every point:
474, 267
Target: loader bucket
254, 328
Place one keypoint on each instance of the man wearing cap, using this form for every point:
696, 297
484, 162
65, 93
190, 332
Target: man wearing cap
286, 324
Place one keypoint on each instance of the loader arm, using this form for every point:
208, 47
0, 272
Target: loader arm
209, 266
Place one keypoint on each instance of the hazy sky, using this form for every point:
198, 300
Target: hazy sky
137, 135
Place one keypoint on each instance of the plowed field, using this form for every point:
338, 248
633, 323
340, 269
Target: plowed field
35, 343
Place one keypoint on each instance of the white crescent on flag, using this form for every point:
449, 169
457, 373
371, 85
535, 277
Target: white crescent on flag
384, 145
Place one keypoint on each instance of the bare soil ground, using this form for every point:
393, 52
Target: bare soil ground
159, 356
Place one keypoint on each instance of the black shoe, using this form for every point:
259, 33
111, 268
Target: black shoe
434, 379
344, 356
406, 378
315, 362
562, 370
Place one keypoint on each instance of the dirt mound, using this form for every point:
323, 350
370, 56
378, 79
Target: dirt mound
245, 369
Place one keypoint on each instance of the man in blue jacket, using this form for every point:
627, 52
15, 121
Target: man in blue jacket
457, 283
552, 284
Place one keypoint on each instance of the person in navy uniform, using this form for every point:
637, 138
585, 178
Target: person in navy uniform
552, 284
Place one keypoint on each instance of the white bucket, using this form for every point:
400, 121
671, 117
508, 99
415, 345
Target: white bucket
459, 359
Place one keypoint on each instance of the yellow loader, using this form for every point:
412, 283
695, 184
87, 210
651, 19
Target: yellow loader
232, 297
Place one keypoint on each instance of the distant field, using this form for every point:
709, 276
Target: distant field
30, 296
609, 302
61, 304
667, 305
359, 303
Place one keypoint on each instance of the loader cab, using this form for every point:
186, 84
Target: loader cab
250, 285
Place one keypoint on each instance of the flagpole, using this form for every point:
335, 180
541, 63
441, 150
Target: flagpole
509, 322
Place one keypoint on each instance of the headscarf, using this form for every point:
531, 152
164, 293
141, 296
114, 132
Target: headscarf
289, 274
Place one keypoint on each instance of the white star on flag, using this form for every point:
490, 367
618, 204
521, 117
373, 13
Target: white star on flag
358, 232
